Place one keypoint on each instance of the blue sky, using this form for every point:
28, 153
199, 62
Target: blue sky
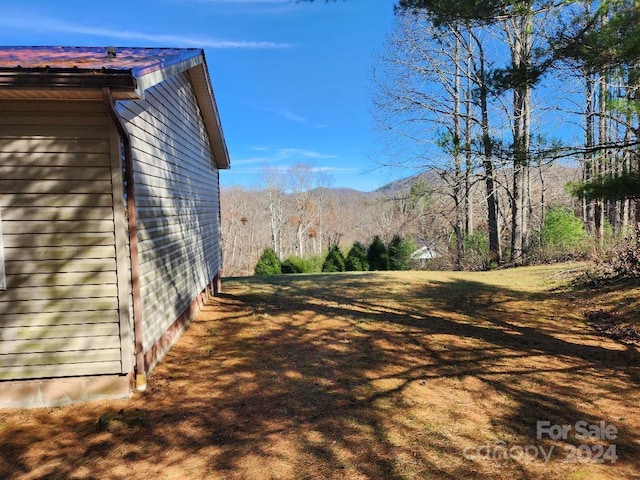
292, 80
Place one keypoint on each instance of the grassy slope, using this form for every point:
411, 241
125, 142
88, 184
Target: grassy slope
381, 375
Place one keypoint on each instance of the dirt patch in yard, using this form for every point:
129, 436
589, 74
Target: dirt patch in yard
612, 306
410, 375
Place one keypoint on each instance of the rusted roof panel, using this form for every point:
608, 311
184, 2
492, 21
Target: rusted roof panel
137, 61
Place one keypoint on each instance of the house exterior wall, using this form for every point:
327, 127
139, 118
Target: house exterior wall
65, 310
3, 278
177, 202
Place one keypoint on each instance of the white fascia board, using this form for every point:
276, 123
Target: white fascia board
207, 103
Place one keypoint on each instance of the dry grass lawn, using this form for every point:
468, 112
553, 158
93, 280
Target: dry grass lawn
407, 375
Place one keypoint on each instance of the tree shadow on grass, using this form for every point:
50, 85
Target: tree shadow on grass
574, 370
349, 376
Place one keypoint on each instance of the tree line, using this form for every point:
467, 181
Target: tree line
304, 221
416, 209
461, 89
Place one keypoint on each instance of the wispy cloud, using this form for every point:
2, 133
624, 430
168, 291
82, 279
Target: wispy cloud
301, 153
267, 5
50, 24
282, 159
258, 170
277, 156
289, 115
283, 112
239, 2
250, 7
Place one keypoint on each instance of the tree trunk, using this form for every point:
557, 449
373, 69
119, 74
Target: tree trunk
493, 225
601, 162
543, 200
458, 185
521, 55
468, 173
589, 206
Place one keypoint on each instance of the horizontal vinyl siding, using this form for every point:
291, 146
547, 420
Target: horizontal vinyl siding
59, 313
176, 184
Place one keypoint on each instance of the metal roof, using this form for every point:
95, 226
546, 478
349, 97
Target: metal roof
424, 253
137, 61
130, 71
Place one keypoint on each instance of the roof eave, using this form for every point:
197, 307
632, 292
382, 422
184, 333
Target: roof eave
206, 100
146, 80
37, 78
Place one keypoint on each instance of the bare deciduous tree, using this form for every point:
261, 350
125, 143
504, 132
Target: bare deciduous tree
273, 184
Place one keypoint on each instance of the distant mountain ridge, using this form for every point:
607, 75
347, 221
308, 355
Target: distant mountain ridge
404, 184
